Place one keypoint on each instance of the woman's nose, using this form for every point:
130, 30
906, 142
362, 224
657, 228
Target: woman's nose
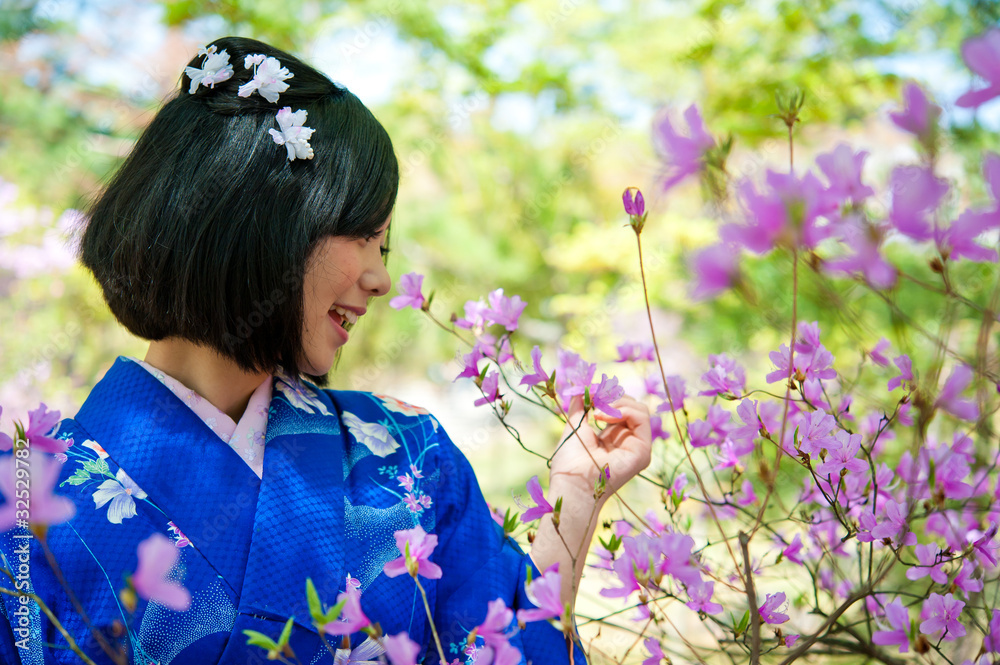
376, 279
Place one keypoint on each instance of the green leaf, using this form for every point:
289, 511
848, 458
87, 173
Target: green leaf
510, 522
315, 607
261, 640
333, 613
98, 467
78, 478
286, 633
744, 622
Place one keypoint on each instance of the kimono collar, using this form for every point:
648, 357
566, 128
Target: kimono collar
246, 438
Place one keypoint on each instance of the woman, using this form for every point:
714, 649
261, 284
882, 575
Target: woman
244, 236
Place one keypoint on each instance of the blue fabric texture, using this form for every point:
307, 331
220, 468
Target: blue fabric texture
342, 472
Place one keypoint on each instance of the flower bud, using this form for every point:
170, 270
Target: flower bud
635, 205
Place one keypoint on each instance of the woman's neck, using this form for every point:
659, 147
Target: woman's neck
216, 378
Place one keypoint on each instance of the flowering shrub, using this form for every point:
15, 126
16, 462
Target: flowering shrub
819, 509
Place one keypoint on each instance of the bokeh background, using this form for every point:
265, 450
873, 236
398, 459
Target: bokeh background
517, 124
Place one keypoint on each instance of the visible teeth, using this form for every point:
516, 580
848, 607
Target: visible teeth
346, 314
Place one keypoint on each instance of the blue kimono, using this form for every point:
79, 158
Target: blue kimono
342, 472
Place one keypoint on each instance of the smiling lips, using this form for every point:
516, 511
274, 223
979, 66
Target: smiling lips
346, 315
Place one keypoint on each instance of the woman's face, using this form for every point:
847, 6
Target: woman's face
342, 275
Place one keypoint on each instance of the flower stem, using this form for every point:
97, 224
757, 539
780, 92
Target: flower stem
430, 619
677, 425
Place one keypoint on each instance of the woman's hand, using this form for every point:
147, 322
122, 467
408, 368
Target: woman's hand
624, 446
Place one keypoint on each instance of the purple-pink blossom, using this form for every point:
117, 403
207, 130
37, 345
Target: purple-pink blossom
415, 545
604, 393
682, 156
864, 239
542, 506
490, 389
157, 556
539, 375
940, 614
992, 641
876, 353
842, 458
495, 628
919, 116
916, 194
927, 556
544, 592
905, 372
769, 610
400, 649
715, 269
504, 310
893, 522
842, 168
632, 351
45, 508
573, 376
787, 213
409, 292
655, 651
701, 598
899, 627
982, 56
41, 422
960, 377
634, 204
725, 377
352, 618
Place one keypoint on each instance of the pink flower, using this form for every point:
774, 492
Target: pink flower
786, 213
864, 239
842, 167
494, 628
655, 651
634, 204
41, 422
44, 507
415, 545
406, 482
919, 116
542, 506
544, 592
964, 580
573, 376
927, 556
475, 315
715, 268
682, 155
905, 372
157, 556
794, 550
701, 598
539, 375
352, 618
503, 310
948, 400
899, 622
893, 523
409, 292
726, 377
769, 609
982, 55
400, 649
490, 388
940, 615
632, 351
958, 240
604, 393
916, 194
843, 458
992, 641
876, 353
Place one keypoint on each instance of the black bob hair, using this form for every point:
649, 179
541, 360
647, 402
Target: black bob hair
205, 230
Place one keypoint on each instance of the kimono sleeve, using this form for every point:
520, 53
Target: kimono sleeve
481, 564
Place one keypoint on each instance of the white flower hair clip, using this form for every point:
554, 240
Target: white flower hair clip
214, 69
268, 77
293, 135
